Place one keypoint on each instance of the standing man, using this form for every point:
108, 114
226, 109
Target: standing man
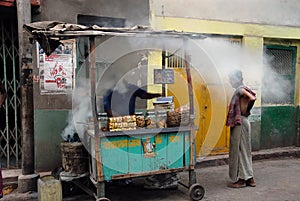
2, 99
240, 158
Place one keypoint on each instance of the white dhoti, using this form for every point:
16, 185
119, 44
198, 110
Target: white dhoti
240, 158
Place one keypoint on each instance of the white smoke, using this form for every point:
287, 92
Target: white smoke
228, 56
212, 58
81, 105
276, 89
69, 129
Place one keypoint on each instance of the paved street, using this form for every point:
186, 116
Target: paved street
277, 180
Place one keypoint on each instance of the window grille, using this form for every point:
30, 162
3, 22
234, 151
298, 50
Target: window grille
175, 60
278, 81
281, 60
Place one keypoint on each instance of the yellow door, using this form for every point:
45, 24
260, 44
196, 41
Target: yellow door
212, 136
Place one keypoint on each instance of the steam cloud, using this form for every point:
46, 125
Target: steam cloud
212, 58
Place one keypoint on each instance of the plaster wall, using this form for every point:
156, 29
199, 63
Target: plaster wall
271, 12
51, 111
135, 12
244, 19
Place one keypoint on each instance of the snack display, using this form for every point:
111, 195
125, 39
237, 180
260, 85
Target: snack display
102, 118
161, 119
173, 118
150, 120
185, 114
178, 117
140, 120
122, 123
155, 118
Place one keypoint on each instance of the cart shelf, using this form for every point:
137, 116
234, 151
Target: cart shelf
124, 153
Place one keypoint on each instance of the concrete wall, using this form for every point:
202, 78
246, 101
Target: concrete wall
272, 12
135, 12
48, 126
253, 20
51, 111
256, 22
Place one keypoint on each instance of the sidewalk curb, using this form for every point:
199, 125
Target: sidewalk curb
217, 160
11, 176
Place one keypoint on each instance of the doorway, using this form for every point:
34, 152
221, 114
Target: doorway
278, 123
10, 122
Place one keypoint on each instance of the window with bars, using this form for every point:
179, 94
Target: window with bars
279, 77
175, 60
281, 60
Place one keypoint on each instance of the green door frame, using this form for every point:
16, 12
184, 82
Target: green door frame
278, 123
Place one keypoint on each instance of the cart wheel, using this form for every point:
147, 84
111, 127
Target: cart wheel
103, 199
196, 192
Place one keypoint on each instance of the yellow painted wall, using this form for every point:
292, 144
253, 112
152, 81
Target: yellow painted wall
224, 28
254, 36
154, 62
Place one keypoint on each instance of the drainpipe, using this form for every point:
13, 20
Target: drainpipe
27, 181
163, 64
298, 127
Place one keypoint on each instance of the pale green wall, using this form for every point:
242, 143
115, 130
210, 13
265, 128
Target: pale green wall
48, 126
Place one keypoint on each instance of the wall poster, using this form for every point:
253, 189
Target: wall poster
57, 71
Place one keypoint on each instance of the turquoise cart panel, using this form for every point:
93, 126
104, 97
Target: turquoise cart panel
143, 151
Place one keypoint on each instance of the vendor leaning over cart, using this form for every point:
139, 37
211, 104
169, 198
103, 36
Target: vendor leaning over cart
121, 101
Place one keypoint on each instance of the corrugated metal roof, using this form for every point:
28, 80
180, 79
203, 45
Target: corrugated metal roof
49, 33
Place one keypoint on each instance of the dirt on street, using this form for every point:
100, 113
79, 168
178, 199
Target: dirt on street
276, 180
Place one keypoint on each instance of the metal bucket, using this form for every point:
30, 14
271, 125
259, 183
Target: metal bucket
74, 158
49, 189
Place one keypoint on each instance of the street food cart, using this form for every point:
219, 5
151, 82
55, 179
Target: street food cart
115, 153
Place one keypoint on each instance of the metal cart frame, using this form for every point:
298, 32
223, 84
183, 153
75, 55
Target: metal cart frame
96, 137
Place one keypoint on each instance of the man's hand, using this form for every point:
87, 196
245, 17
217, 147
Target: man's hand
248, 94
151, 95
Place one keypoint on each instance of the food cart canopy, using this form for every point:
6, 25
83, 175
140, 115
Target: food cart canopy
49, 33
